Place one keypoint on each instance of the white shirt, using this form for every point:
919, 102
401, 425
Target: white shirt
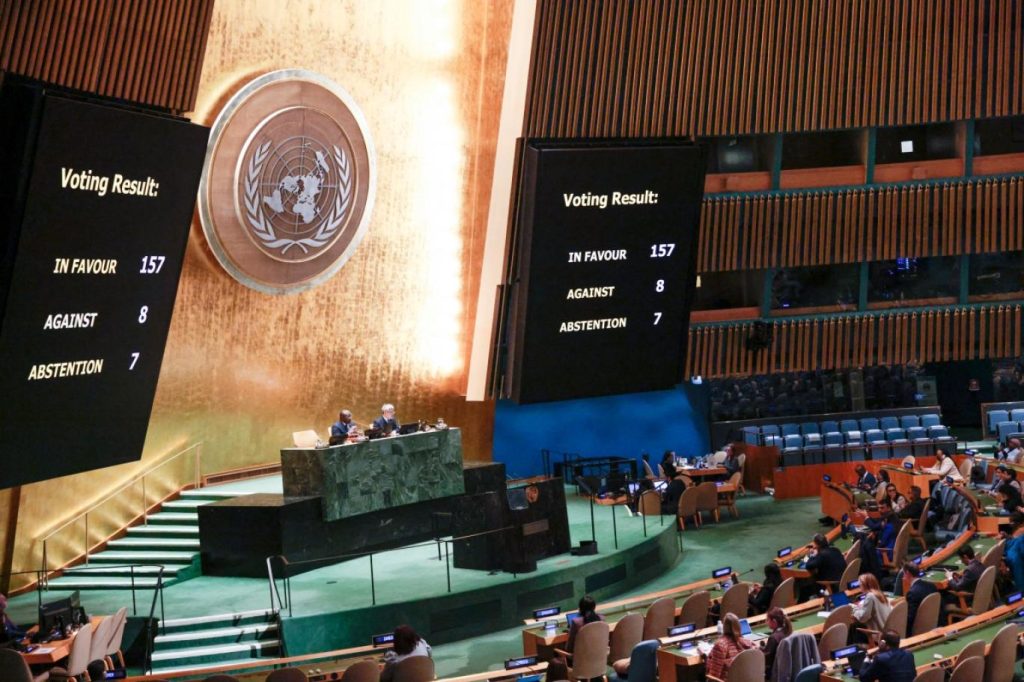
947, 467
1013, 455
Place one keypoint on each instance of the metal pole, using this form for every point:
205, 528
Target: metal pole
615, 528
447, 567
87, 539
373, 587
145, 516
135, 607
160, 587
199, 465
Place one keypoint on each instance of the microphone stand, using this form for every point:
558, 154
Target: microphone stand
582, 483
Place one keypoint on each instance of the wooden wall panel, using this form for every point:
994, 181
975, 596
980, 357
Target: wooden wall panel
859, 340
856, 225
146, 51
718, 67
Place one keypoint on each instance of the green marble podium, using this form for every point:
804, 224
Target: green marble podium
358, 478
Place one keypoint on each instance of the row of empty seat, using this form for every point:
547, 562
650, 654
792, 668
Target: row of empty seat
850, 439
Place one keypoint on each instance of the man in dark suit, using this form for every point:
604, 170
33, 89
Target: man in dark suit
387, 423
866, 480
890, 664
825, 562
963, 581
919, 589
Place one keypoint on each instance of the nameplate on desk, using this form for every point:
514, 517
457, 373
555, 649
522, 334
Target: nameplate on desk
908, 465
684, 629
827, 478
721, 572
784, 552
549, 611
535, 527
522, 662
115, 674
853, 585
1014, 598
386, 639
845, 652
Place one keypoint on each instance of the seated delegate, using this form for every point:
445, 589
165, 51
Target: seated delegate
387, 423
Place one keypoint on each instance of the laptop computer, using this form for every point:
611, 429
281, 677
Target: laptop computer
745, 631
839, 599
412, 427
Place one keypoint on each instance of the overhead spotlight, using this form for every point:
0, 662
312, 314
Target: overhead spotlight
907, 146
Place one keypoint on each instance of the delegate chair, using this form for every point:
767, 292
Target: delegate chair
421, 668
792, 450
811, 673
896, 621
707, 500
1004, 429
969, 670
116, 637
688, 508
748, 665
14, 669
833, 448
900, 548
627, 634
734, 600
814, 452
851, 554
916, 531
886, 423
832, 639
970, 650
930, 420
979, 603
363, 671
660, 616
1017, 415
848, 425
994, 555
850, 573
898, 443
875, 439
927, 617
919, 440
810, 429
101, 633
78, 658
910, 420
770, 430
855, 445
413, 673
590, 652
1002, 655
868, 424
935, 674
784, 595
648, 471
695, 609
830, 427
940, 434
994, 418
844, 614
650, 505
642, 664
790, 430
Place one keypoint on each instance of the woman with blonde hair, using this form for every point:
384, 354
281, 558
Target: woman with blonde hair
873, 608
728, 647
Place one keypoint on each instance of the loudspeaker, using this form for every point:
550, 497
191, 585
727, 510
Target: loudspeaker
761, 336
586, 548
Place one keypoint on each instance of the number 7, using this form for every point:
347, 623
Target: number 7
135, 358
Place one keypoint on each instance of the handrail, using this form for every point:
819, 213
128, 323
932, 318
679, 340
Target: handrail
140, 476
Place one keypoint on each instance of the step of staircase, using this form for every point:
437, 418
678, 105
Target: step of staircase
170, 570
174, 518
219, 654
83, 582
164, 531
210, 641
153, 543
260, 632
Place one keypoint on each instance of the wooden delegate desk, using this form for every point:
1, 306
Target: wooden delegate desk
52, 652
702, 473
679, 665
541, 641
904, 478
936, 648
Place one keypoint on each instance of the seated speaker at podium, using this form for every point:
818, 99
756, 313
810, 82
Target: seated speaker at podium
386, 424
345, 430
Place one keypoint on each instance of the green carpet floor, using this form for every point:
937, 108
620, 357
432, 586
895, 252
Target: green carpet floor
765, 525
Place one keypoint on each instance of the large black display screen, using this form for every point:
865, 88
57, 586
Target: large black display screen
603, 271
93, 238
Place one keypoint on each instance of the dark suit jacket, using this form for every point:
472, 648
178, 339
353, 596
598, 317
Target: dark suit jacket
919, 589
867, 481
385, 425
828, 564
894, 665
969, 578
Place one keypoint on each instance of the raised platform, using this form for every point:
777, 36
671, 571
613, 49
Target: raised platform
332, 607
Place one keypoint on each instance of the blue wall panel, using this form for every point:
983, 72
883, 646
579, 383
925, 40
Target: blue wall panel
623, 425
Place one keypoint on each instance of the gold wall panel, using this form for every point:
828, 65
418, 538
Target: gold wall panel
243, 370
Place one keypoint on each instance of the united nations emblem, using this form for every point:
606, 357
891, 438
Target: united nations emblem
289, 182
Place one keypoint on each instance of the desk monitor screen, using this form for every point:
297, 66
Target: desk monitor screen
57, 613
1014, 598
908, 465
684, 629
115, 674
660, 486
744, 627
411, 427
853, 585
721, 572
517, 499
784, 552
839, 599
386, 639
520, 662
570, 616
549, 611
